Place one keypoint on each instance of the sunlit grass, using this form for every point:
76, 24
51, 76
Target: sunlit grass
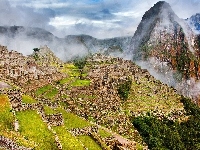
72, 121
51, 93
28, 99
68, 141
6, 123
65, 80
48, 110
142, 98
33, 128
6, 116
103, 133
89, 143
79, 82
43, 89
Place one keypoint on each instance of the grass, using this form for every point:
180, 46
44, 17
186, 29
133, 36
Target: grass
64, 81
89, 143
34, 129
43, 89
140, 100
28, 99
68, 68
49, 110
65, 96
6, 116
68, 141
79, 82
6, 124
72, 121
103, 133
51, 94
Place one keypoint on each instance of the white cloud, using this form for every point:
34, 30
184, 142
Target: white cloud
62, 21
83, 16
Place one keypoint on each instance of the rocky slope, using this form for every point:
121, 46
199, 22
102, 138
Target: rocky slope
169, 45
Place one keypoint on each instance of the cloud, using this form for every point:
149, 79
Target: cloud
94, 17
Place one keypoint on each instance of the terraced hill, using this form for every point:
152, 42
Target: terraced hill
74, 113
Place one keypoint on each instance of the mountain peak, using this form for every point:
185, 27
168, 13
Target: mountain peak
161, 14
157, 9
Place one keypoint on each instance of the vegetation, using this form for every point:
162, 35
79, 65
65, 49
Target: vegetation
6, 124
89, 143
28, 99
43, 89
80, 63
49, 110
34, 129
103, 133
51, 94
124, 89
144, 97
68, 141
36, 49
64, 81
6, 119
166, 134
79, 82
72, 121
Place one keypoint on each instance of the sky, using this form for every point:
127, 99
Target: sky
98, 18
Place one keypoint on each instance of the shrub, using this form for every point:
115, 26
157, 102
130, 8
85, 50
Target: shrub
124, 89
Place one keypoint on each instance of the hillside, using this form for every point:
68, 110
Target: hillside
94, 112
169, 46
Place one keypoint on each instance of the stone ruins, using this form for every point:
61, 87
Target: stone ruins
99, 102
25, 71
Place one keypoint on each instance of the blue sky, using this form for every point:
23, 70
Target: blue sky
99, 18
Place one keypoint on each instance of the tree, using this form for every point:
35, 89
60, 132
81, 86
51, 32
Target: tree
124, 89
80, 63
36, 49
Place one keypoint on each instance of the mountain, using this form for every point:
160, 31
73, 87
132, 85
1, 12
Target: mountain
41, 92
24, 39
166, 44
194, 22
16, 31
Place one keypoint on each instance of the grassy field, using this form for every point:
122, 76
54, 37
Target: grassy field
49, 110
6, 124
79, 82
51, 93
142, 98
72, 121
34, 129
65, 80
103, 133
6, 116
28, 99
68, 141
43, 89
89, 143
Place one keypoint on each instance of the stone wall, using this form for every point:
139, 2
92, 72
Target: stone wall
55, 119
15, 97
11, 145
